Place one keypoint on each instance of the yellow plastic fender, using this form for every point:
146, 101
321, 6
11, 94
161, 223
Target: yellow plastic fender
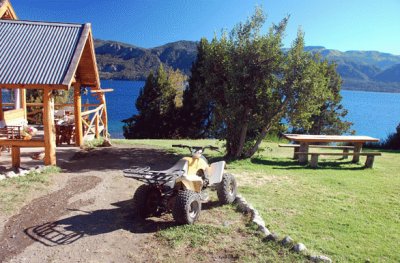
196, 164
192, 181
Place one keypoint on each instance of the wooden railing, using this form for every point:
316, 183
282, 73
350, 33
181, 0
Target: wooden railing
92, 120
93, 123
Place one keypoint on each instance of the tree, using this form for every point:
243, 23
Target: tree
330, 119
157, 106
196, 112
252, 83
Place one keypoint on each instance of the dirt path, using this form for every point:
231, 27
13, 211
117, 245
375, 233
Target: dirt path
85, 215
88, 219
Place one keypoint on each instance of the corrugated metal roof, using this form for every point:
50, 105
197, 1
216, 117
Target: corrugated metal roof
36, 52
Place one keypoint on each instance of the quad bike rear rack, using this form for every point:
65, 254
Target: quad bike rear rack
145, 175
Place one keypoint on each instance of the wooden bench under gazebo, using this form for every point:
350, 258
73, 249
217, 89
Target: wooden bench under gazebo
49, 57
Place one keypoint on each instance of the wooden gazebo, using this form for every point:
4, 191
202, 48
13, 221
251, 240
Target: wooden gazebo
48, 57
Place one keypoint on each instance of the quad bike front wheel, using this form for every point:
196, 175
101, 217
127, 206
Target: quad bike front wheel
146, 201
227, 189
187, 207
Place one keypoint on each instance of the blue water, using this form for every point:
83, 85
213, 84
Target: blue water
120, 103
374, 114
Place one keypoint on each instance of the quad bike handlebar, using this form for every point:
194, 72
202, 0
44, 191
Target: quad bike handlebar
196, 148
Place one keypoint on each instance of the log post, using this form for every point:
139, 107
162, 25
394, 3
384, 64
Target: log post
104, 116
1, 104
49, 128
15, 156
22, 95
78, 114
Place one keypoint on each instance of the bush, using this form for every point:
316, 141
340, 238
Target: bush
393, 140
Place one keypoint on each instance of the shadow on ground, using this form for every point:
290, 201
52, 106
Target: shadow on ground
115, 158
286, 164
69, 230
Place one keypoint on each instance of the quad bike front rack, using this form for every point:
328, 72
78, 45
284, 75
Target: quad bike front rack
145, 175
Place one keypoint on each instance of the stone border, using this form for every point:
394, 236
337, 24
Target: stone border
244, 207
21, 172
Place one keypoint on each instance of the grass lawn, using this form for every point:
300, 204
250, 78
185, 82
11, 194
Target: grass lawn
14, 191
340, 210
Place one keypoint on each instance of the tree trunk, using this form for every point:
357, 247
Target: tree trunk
243, 133
265, 130
260, 138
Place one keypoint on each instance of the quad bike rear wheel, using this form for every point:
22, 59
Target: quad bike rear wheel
227, 189
146, 201
187, 207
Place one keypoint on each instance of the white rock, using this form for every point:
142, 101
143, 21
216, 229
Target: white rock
2, 177
272, 237
258, 221
264, 230
287, 241
299, 247
239, 196
11, 174
321, 258
242, 206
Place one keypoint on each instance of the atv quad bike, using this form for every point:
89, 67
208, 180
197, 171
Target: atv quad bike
182, 188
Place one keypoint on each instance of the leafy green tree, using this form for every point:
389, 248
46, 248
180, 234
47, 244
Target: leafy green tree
156, 105
252, 84
196, 112
330, 119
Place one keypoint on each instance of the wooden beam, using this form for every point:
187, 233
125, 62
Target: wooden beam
78, 114
22, 143
1, 104
101, 90
33, 86
70, 75
97, 131
49, 128
104, 116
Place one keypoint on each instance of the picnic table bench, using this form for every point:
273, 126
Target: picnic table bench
305, 141
296, 147
369, 162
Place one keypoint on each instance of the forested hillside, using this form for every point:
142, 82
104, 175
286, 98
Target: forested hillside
360, 70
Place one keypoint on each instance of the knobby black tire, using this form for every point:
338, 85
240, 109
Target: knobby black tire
227, 189
145, 201
187, 207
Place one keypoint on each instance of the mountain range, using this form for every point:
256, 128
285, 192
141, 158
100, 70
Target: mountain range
360, 70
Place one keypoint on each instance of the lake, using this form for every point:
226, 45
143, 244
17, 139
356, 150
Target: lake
374, 114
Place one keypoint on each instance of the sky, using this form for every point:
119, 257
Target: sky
335, 24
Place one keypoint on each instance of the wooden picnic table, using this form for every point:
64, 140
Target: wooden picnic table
305, 140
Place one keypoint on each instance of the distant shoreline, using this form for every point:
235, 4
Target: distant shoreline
384, 90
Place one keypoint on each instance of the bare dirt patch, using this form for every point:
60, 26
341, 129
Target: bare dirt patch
88, 218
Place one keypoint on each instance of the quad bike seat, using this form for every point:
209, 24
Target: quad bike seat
181, 165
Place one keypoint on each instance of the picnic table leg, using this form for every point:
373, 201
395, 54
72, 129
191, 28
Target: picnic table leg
357, 149
345, 156
295, 155
314, 161
303, 158
369, 163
